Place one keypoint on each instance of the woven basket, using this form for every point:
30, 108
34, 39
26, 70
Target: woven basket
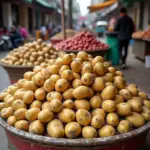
15, 72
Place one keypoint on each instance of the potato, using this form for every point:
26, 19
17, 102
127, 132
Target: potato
119, 82
136, 105
45, 72
13, 89
87, 68
61, 85
97, 121
83, 117
53, 69
146, 115
81, 92
87, 79
36, 127
45, 115
46, 105
2, 105
67, 59
112, 70
145, 109
108, 93
53, 95
133, 90
2, 96
124, 109
32, 114
68, 94
54, 78
22, 125
20, 83
106, 131
76, 83
17, 104
9, 101
63, 68
29, 85
98, 111
82, 55
28, 97
38, 79
82, 104
124, 126
20, 113
19, 94
40, 94
76, 66
146, 103
56, 105
112, 119
76, 75
109, 106
125, 93
37, 69
67, 74
89, 132
97, 59
6, 112
55, 129
36, 104
68, 104
108, 77
99, 69
66, 115
119, 99
49, 85
136, 119
143, 95
119, 73
11, 120
95, 101
72, 130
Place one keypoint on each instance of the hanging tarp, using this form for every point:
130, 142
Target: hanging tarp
100, 6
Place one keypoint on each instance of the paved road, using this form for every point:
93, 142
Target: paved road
136, 73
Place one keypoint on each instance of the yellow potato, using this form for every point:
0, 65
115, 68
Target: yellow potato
54, 78
63, 68
67, 74
19, 94
45, 115
32, 114
119, 99
109, 106
146, 115
124, 109
87, 79
76, 66
28, 97
2, 105
97, 59
17, 104
22, 125
98, 111
6, 112
112, 70
82, 55
147, 103
66, 115
38, 79
76, 83
143, 95
49, 85
36, 127
9, 101
29, 85
89, 132
82, 104
119, 73
54, 69
20, 113
87, 68
2, 96
95, 101
68, 104
56, 105
61, 85
28, 75
124, 126
119, 82
36, 104
53, 95
40, 94
112, 119
67, 59
106, 131
83, 117
97, 121
55, 129
125, 93
72, 130
99, 69
46, 105
133, 90
68, 94
11, 120
76, 75
45, 72
108, 77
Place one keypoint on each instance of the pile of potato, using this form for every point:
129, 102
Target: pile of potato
76, 96
31, 54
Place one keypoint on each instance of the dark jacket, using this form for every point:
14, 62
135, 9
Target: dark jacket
124, 27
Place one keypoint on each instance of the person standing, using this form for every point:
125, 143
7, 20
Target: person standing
124, 27
23, 32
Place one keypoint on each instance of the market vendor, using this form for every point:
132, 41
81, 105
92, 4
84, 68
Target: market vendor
124, 27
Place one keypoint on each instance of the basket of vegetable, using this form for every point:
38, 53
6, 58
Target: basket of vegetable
24, 58
76, 103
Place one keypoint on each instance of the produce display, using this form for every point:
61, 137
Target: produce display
141, 34
31, 54
76, 96
69, 33
85, 41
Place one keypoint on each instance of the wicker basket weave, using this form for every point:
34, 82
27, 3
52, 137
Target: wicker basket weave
15, 72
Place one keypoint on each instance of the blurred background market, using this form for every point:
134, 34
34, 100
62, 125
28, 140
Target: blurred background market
53, 21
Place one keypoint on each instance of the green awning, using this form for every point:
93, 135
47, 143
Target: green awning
45, 4
28, 1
